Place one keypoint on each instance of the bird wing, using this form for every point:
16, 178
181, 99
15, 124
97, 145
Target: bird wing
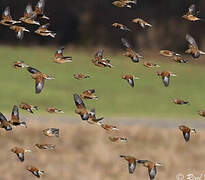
125, 43
15, 112
191, 40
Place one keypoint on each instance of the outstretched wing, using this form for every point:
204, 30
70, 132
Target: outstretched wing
78, 101
15, 112
125, 43
191, 40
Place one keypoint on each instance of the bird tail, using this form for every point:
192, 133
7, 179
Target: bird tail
53, 35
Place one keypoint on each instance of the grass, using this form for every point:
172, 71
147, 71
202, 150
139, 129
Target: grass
149, 98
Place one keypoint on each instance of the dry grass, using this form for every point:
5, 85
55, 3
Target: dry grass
85, 153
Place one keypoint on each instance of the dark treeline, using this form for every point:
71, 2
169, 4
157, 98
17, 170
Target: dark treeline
88, 23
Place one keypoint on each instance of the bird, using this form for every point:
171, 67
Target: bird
191, 15
180, 101
43, 31
135, 57
186, 132
28, 107
130, 79
46, 146
39, 10
51, 132
7, 19
201, 113
100, 61
80, 107
92, 118
19, 64
179, 59
4, 123
60, 58
39, 79
193, 48
19, 151
150, 64
141, 22
117, 139
121, 26
19, 31
168, 53
121, 4
80, 76
131, 163
152, 167
54, 110
108, 127
88, 94
36, 172
166, 77
15, 120
29, 17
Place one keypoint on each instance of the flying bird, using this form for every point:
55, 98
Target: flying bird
19, 151
60, 58
130, 79
19, 31
43, 31
201, 113
19, 64
191, 15
121, 26
88, 94
28, 107
180, 101
117, 139
121, 4
168, 53
4, 123
186, 132
80, 76
150, 64
141, 22
46, 146
131, 163
108, 127
54, 110
51, 132
39, 10
100, 61
36, 172
165, 77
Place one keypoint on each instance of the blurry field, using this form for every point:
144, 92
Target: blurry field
149, 98
85, 153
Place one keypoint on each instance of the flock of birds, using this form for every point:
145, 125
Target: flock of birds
33, 17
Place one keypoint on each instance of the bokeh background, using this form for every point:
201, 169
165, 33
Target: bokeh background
145, 114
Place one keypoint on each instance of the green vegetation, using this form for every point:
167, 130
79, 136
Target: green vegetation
149, 98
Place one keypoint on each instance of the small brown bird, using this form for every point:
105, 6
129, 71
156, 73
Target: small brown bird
39, 78
168, 53
39, 10
92, 118
165, 77
15, 120
186, 132
121, 4
88, 94
19, 64
135, 57
150, 65
7, 19
120, 26
81, 108
19, 31
54, 110
180, 101
80, 76
141, 22
108, 127
29, 17
60, 58
28, 107
131, 163
117, 139
51, 132
179, 59
43, 31
20, 152
201, 113
191, 15
100, 61
193, 48
152, 167
46, 146
36, 172
130, 79
4, 123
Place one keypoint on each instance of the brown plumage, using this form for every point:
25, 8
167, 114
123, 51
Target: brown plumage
151, 166
100, 61
19, 64
191, 15
43, 31
109, 127
120, 26
135, 57
80, 107
186, 132
54, 110
180, 101
28, 107
4, 123
51, 132
201, 113
117, 139
179, 59
130, 79
80, 76
39, 10
121, 4
60, 58
88, 94
20, 152
36, 172
150, 65
193, 47
131, 163
168, 53
19, 31
165, 77
46, 146
141, 22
